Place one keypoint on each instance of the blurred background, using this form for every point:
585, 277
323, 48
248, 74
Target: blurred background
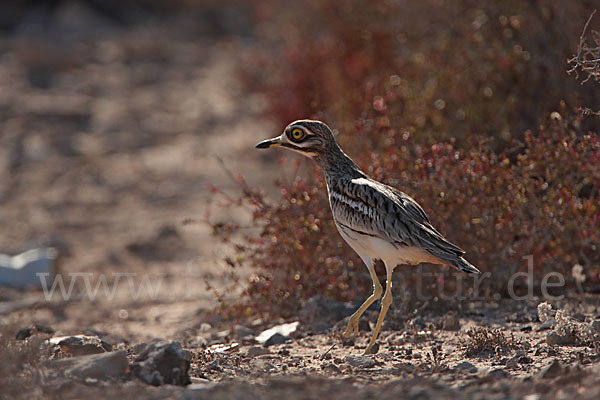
115, 115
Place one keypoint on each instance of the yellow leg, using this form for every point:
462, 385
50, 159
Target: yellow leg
385, 304
352, 328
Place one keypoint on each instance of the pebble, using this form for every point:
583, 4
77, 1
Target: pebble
277, 338
360, 361
256, 351
595, 326
328, 366
214, 366
243, 333
260, 364
224, 348
497, 373
545, 312
283, 332
466, 366
562, 337
512, 364
525, 360
80, 345
24, 333
552, 371
450, 322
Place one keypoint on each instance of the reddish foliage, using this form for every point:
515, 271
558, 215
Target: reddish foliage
452, 69
542, 202
397, 78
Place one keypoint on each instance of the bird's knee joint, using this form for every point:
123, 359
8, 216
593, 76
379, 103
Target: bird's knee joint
377, 291
387, 300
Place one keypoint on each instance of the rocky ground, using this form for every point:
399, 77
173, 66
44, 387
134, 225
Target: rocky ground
507, 349
109, 132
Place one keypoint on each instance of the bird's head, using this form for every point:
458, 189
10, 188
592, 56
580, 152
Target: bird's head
305, 136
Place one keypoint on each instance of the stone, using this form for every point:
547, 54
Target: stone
545, 312
374, 348
525, 360
163, 363
224, 348
595, 326
79, 345
256, 351
261, 365
26, 332
512, 364
320, 313
360, 361
466, 366
544, 326
243, 333
331, 367
552, 370
497, 373
166, 245
450, 322
90, 367
560, 337
200, 386
277, 338
283, 330
215, 365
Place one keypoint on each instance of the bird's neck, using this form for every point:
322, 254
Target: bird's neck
335, 163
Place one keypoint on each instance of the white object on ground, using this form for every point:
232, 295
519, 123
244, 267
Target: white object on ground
23, 269
284, 329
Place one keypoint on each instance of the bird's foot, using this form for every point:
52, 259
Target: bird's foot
352, 328
372, 348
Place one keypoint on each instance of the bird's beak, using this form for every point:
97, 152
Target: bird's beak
265, 144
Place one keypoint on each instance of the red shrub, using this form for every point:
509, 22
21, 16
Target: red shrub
397, 78
452, 69
540, 199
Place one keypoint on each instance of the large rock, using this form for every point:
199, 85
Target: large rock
88, 368
163, 363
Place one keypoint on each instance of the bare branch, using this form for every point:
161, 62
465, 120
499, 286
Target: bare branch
589, 111
587, 59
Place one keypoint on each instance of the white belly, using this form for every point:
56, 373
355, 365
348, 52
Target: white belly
377, 248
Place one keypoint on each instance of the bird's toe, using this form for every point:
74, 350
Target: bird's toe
351, 329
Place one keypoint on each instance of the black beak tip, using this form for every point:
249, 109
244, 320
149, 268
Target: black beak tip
263, 145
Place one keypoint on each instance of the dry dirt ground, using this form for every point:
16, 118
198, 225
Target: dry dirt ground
107, 140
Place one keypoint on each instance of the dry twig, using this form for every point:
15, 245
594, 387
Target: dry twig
587, 59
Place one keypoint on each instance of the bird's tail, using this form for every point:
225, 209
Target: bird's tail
463, 265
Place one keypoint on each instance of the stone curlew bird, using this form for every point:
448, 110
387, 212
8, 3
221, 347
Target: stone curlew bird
376, 220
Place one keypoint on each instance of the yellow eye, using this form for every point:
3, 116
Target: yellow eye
297, 134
